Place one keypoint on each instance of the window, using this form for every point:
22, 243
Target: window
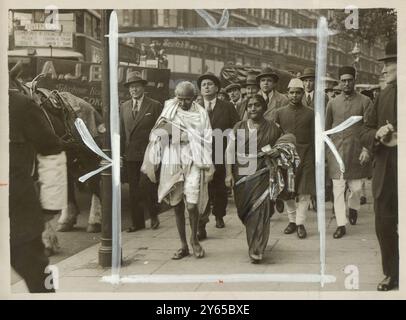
178, 63
195, 65
88, 23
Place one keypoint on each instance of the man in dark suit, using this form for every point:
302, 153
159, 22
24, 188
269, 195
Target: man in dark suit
379, 134
30, 134
223, 116
138, 115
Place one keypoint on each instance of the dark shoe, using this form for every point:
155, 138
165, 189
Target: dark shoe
301, 231
279, 205
363, 200
339, 232
181, 253
154, 223
387, 284
201, 233
220, 223
352, 216
290, 228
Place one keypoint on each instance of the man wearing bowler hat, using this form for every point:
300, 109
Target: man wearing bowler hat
379, 134
138, 115
223, 116
267, 81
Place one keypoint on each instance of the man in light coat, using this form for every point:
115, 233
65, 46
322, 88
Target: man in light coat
355, 157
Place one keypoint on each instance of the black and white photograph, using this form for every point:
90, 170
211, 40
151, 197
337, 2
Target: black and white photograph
202, 151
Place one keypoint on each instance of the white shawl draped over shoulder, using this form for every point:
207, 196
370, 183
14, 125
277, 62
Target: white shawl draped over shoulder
196, 123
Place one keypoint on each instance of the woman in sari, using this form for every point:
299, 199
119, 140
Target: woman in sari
258, 155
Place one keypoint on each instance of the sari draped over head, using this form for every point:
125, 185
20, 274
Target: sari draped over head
169, 155
256, 191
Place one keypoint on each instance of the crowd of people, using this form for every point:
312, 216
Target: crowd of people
191, 167
190, 152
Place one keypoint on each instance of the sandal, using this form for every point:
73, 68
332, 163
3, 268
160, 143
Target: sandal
181, 253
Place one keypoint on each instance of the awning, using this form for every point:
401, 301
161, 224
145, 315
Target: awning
46, 52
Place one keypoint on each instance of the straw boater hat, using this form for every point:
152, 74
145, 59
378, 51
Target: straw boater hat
267, 72
232, 86
134, 77
390, 51
296, 83
210, 76
308, 73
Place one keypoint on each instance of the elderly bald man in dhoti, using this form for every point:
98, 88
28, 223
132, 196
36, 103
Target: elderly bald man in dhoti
181, 144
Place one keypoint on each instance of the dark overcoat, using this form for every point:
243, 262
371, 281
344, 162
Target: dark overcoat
299, 120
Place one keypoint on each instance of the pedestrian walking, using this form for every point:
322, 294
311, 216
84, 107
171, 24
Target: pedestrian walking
255, 204
183, 134
138, 116
223, 116
355, 157
379, 134
297, 119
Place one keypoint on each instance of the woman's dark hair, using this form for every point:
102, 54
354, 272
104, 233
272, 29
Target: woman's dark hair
260, 99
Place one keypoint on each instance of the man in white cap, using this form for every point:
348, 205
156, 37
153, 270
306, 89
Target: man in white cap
355, 157
297, 119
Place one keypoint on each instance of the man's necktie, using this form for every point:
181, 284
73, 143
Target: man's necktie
209, 110
135, 109
309, 100
267, 100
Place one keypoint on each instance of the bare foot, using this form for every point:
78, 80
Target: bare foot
198, 251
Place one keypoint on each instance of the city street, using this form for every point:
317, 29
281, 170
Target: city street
149, 252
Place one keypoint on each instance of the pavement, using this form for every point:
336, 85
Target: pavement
148, 252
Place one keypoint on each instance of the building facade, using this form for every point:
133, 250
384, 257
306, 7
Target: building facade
193, 57
69, 34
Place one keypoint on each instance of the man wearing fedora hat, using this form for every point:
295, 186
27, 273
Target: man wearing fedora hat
308, 77
267, 81
138, 116
380, 135
251, 88
234, 92
223, 116
355, 157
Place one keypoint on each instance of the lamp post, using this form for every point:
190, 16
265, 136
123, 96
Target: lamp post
105, 250
50, 46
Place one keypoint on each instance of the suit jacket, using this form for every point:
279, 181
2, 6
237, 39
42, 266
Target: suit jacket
30, 133
135, 132
311, 104
277, 101
241, 107
224, 117
385, 158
